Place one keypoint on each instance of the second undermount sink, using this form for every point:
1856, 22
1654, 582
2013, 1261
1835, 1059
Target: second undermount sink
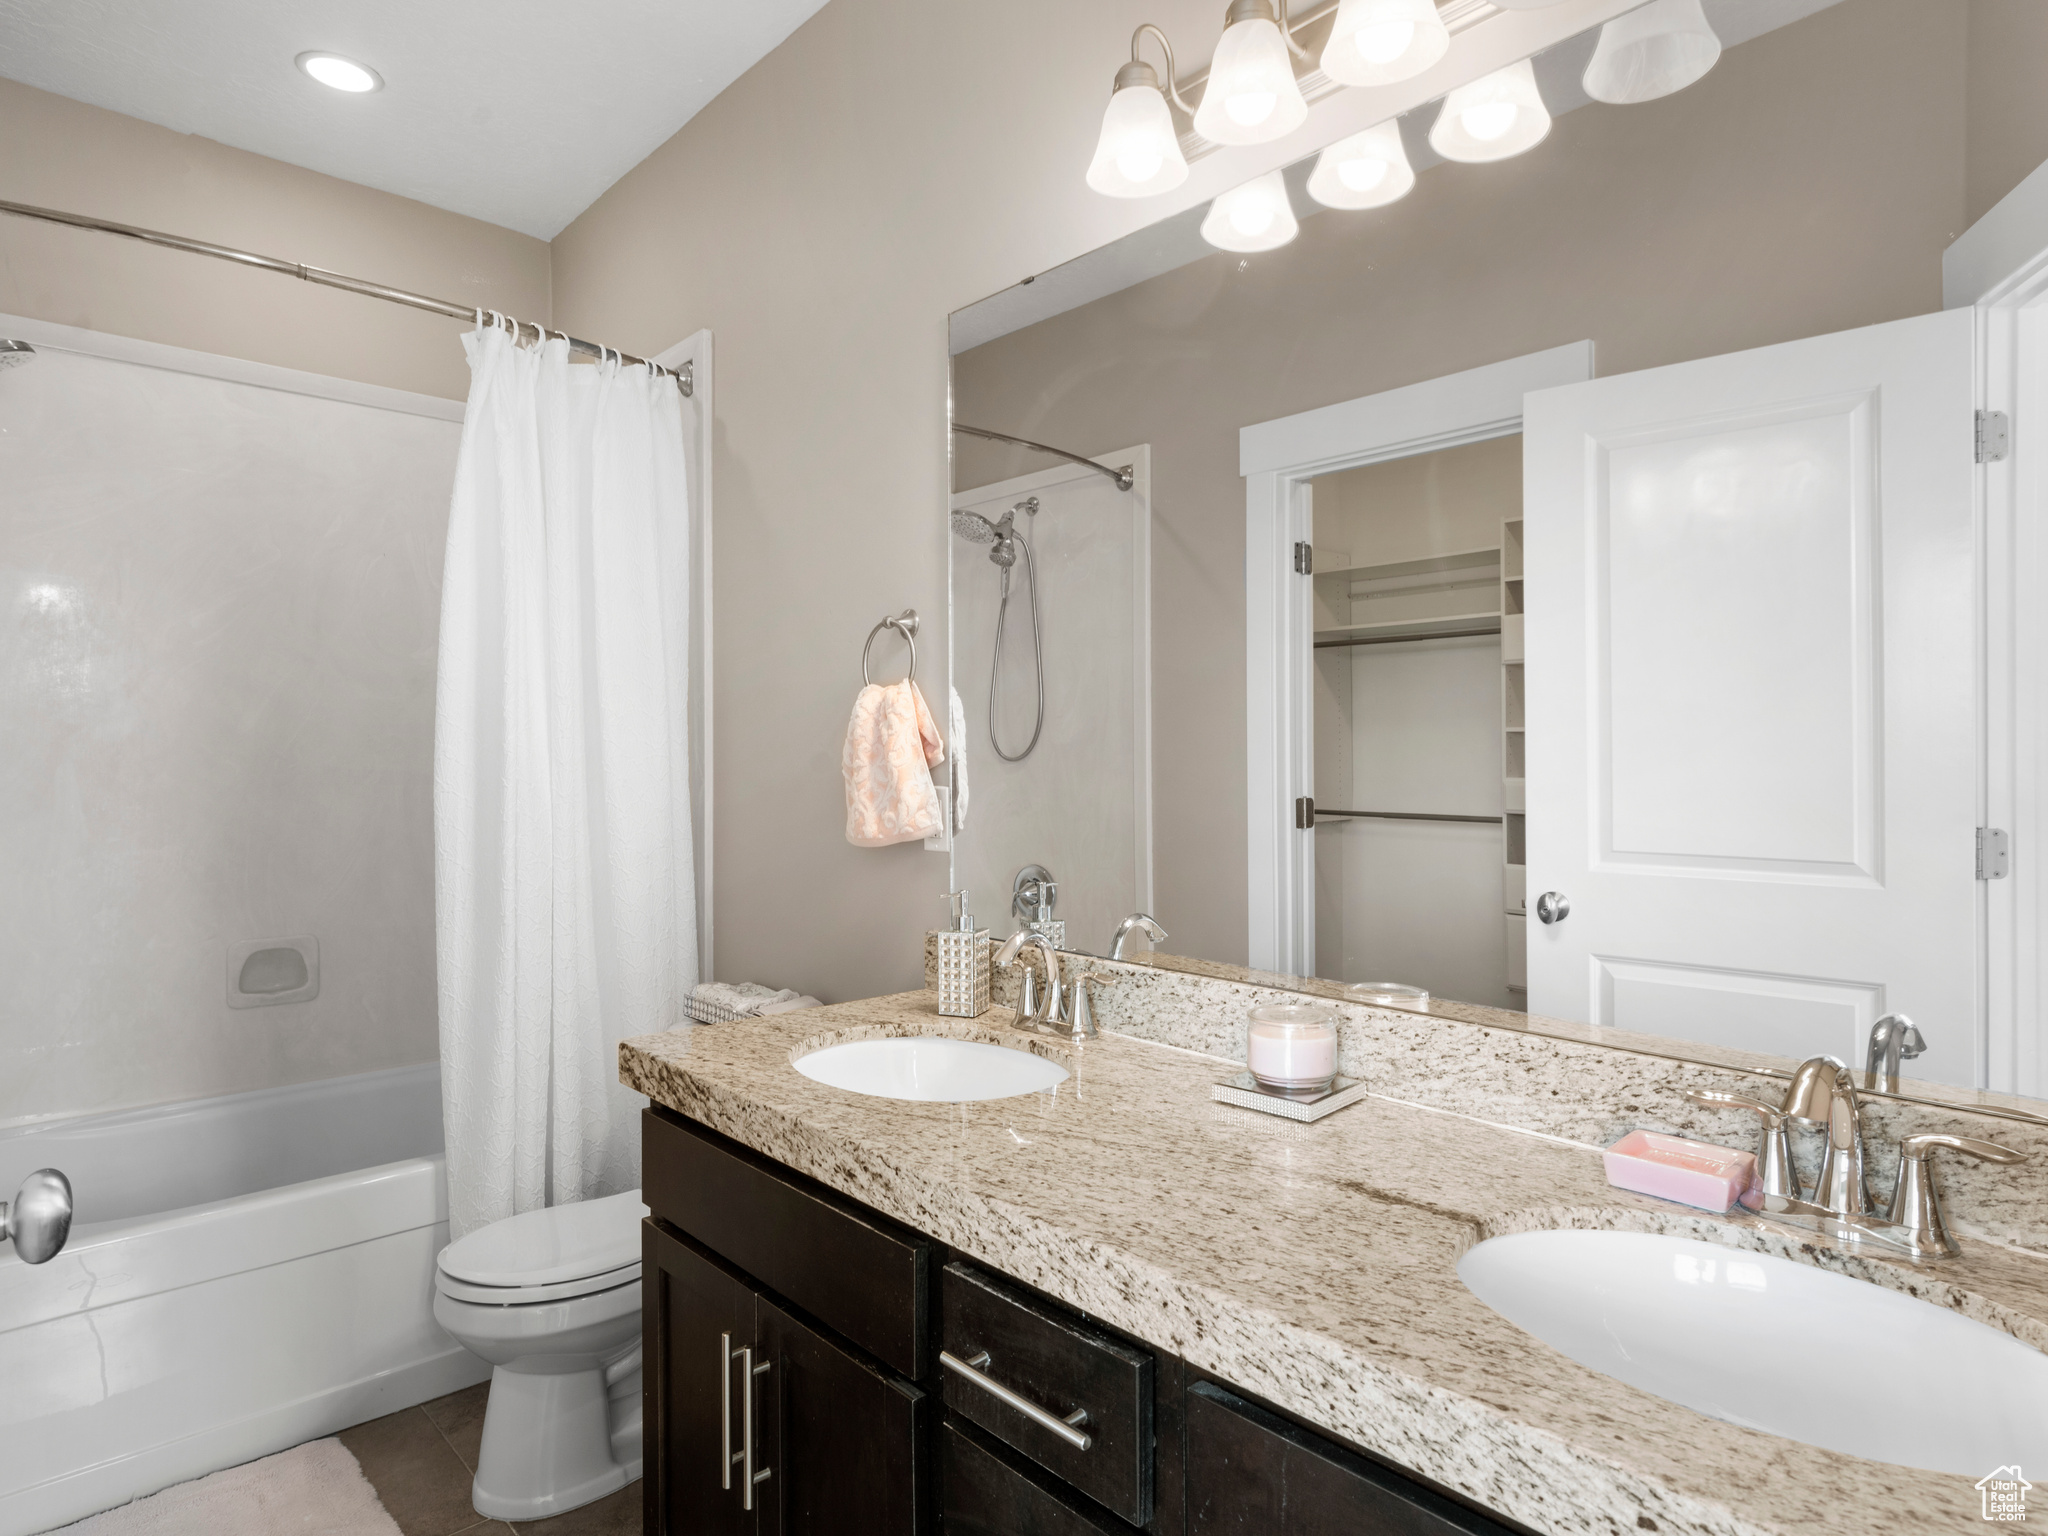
931, 1068
1776, 1345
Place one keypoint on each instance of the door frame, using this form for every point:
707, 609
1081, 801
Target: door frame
1999, 268
1278, 459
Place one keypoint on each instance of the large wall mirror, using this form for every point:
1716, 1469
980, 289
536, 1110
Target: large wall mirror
1595, 529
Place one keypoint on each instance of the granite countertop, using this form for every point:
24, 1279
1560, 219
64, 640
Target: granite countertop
1315, 1265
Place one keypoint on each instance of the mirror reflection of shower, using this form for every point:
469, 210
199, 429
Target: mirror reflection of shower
1005, 539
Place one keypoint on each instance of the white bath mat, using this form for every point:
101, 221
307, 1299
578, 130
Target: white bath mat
314, 1489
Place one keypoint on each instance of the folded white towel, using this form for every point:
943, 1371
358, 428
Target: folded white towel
787, 1005
892, 745
743, 997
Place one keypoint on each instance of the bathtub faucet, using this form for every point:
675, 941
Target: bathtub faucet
39, 1220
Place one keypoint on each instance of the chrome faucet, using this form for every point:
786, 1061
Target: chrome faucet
1823, 1095
1891, 1037
1136, 920
1034, 1011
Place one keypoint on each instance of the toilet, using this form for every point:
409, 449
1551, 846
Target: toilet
552, 1299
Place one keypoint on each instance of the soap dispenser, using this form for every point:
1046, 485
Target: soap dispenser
1044, 924
963, 963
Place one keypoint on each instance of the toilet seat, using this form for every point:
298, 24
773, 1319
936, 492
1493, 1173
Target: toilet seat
528, 1295
573, 1246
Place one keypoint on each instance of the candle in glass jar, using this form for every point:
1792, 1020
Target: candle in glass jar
1292, 1045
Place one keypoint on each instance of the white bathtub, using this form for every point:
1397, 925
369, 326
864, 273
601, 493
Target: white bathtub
245, 1273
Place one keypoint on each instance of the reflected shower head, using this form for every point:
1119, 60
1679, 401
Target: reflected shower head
974, 528
15, 353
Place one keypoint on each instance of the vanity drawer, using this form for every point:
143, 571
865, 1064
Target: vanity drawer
851, 1268
987, 1496
1057, 1363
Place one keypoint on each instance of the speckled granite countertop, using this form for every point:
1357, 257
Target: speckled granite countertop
1315, 1265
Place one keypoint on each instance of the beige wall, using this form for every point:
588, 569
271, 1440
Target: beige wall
2008, 98
1808, 184
1426, 504
894, 160
56, 153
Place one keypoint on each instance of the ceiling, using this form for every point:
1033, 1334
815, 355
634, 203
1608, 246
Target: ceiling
519, 112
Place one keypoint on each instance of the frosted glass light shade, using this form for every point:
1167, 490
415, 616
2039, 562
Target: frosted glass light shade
1652, 52
1251, 97
1496, 116
1367, 170
1253, 217
1377, 42
1138, 153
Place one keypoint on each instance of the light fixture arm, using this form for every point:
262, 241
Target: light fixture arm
1287, 32
1137, 63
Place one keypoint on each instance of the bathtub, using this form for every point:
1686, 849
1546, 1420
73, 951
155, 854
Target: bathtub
244, 1273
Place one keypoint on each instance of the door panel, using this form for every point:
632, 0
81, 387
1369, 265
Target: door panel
843, 1440
1752, 696
691, 1308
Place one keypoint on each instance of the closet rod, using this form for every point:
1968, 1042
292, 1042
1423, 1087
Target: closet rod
1433, 634
685, 376
1320, 813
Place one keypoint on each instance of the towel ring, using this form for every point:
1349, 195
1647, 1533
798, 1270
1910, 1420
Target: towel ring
905, 624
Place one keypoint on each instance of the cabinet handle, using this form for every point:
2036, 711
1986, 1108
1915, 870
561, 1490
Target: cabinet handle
1068, 1429
748, 1476
725, 1455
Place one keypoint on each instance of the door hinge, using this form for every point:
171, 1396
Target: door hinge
1304, 813
1304, 559
1994, 853
1994, 432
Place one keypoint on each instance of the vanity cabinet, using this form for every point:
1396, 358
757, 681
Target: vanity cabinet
1252, 1473
795, 1333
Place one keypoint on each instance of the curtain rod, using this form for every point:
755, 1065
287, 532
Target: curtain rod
1123, 477
685, 376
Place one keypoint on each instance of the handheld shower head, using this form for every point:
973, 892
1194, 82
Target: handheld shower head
974, 528
14, 353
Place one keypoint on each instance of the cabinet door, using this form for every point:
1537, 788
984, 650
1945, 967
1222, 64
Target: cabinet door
844, 1442
1251, 1473
696, 1316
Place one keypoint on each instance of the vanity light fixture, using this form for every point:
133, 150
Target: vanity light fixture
1377, 42
340, 74
1138, 153
1494, 117
1254, 217
1251, 96
1367, 170
1663, 47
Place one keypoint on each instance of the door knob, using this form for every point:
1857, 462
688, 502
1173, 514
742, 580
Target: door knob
40, 1219
1553, 907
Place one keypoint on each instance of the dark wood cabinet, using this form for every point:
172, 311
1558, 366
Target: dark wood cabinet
793, 1334
1252, 1473
760, 1424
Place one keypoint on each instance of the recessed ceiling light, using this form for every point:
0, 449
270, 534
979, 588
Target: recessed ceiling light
331, 69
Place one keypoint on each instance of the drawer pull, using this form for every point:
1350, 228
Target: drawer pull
1068, 1429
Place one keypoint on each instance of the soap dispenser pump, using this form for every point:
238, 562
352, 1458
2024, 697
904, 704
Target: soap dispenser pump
962, 961
1044, 923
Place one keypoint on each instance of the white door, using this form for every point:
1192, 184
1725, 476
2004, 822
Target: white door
1752, 696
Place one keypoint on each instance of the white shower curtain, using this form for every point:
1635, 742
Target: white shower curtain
563, 869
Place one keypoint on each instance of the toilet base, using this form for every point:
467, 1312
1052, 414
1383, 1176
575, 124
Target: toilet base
554, 1442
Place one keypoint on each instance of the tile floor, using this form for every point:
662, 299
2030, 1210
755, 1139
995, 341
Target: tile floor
420, 1461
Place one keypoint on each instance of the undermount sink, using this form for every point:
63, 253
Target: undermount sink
930, 1068
1775, 1345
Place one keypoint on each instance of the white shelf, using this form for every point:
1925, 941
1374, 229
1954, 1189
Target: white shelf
1410, 629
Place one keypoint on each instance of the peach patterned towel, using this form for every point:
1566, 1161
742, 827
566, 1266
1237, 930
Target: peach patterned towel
892, 745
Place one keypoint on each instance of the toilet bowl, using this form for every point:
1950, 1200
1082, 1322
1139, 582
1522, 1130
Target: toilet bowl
552, 1299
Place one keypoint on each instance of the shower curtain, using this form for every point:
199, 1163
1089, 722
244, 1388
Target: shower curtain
563, 868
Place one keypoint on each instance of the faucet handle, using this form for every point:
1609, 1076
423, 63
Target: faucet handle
1774, 1173
1923, 1146
1713, 1098
1916, 1207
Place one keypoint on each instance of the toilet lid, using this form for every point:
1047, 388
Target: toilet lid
550, 1246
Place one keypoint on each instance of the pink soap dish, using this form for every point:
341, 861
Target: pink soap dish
1693, 1173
